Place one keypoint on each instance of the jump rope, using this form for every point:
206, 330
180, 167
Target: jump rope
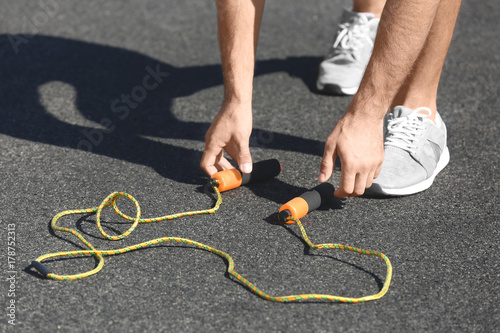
289, 213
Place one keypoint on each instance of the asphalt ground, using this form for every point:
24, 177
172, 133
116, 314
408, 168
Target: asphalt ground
66, 144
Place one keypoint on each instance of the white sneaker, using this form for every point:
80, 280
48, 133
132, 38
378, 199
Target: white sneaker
415, 152
343, 67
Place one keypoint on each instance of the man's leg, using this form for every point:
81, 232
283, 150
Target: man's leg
421, 86
415, 145
369, 6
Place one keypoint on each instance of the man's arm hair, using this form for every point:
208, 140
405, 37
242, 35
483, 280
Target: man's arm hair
238, 24
403, 29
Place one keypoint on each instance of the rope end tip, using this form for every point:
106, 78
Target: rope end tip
285, 216
41, 268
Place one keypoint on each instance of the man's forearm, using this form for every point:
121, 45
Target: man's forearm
402, 32
239, 24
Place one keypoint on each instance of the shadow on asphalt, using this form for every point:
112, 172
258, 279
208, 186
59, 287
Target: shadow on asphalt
125, 98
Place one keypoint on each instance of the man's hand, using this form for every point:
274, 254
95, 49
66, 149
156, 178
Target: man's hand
238, 25
358, 142
357, 139
230, 131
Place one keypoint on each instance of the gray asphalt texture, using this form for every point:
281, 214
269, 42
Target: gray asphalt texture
58, 87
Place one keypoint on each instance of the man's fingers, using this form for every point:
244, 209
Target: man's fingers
222, 162
327, 164
369, 179
209, 161
354, 185
207, 166
359, 185
212, 165
377, 172
347, 182
241, 154
244, 159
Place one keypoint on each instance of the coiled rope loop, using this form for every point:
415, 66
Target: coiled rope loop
99, 254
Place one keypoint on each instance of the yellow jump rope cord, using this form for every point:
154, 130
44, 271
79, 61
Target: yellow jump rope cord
99, 254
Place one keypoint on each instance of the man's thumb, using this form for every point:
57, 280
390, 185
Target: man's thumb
245, 160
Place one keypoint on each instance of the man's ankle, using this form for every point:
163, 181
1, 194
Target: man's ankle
375, 10
416, 105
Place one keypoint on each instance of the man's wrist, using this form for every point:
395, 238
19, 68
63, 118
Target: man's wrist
232, 103
375, 93
238, 100
369, 105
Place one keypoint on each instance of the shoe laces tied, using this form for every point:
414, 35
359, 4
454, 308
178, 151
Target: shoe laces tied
350, 37
404, 132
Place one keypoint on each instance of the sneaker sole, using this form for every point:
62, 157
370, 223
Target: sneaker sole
443, 162
335, 89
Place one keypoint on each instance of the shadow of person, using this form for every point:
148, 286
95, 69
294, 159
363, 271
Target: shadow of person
122, 101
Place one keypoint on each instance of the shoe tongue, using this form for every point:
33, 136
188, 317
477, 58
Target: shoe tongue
401, 111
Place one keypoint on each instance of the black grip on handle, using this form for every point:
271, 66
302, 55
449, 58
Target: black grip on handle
41, 268
318, 196
262, 170
307, 202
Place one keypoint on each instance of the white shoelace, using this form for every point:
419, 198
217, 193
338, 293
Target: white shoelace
349, 39
403, 132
